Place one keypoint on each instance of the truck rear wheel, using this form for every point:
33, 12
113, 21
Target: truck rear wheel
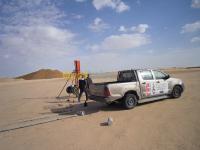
130, 101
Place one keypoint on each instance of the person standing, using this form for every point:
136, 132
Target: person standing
88, 82
82, 87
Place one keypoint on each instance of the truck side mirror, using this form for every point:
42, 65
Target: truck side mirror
167, 77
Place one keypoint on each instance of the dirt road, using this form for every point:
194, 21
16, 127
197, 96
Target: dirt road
167, 124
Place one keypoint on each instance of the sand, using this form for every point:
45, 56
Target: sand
167, 124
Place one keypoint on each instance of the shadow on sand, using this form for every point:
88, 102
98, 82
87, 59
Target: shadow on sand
64, 106
93, 107
58, 98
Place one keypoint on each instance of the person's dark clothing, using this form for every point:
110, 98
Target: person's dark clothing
82, 84
80, 94
82, 87
89, 81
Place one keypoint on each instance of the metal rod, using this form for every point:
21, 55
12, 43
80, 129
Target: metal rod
64, 86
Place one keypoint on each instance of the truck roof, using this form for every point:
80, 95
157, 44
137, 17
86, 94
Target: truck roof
135, 70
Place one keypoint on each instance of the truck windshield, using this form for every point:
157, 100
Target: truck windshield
126, 76
159, 74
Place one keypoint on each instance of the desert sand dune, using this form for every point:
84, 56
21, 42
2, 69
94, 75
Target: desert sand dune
42, 74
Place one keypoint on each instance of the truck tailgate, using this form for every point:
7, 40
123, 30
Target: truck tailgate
97, 89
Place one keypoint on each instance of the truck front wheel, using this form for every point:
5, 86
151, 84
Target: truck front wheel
129, 101
176, 92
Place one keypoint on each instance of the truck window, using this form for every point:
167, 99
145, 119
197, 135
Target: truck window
126, 76
159, 75
146, 75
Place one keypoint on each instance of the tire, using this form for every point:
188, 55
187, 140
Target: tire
176, 92
129, 101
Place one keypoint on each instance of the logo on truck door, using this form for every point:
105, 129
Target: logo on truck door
147, 89
152, 88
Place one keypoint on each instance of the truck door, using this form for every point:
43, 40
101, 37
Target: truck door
161, 85
147, 83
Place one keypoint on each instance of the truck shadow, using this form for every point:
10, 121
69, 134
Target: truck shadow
92, 107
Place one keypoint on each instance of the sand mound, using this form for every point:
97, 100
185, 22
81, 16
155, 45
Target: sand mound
42, 74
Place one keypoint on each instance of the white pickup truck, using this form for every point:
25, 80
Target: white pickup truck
137, 86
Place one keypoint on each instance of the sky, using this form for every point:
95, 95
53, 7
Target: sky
105, 35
